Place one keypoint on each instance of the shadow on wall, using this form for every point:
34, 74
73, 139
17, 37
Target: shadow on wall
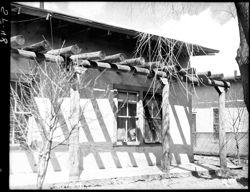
180, 124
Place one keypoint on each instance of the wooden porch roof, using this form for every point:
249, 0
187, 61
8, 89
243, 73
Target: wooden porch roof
38, 12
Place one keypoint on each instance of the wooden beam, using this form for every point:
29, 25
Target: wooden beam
165, 130
152, 65
114, 58
17, 41
98, 55
140, 70
42, 46
70, 50
32, 55
222, 134
140, 61
206, 81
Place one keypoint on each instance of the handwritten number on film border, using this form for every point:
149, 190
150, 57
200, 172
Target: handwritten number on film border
2, 21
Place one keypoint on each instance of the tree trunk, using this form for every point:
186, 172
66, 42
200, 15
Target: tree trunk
43, 165
237, 150
166, 156
242, 57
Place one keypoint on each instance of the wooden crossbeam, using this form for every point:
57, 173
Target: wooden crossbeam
114, 58
42, 46
207, 81
32, 55
98, 55
17, 41
124, 68
70, 50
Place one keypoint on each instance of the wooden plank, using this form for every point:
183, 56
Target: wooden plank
165, 133
40, 47
70, 50
17, 41
140, 61
98, 55
114, 58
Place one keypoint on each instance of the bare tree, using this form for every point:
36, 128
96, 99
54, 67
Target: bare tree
47, 85
235, 121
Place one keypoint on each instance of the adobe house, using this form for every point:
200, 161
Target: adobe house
122, 124
205, 109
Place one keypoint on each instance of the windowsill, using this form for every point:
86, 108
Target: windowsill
121, 143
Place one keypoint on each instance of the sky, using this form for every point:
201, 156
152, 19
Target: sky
211, 25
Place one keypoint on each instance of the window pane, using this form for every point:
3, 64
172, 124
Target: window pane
121, 134
132, 109
152, 130
121, 122
131, 122
131, 134
122, 109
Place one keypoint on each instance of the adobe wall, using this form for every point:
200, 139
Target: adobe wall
98, 127
205, 98
98, 130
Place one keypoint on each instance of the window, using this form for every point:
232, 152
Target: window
127, 116
152, 118
19, 112
216, 120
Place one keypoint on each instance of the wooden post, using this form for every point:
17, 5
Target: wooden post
222, 134
165, 133
74, 147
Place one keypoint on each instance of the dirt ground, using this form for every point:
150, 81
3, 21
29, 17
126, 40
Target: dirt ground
237, 178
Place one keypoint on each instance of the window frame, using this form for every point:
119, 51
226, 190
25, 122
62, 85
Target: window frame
127, 91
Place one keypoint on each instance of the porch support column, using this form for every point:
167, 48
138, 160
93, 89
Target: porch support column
222, 135
165, 132
74, 147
